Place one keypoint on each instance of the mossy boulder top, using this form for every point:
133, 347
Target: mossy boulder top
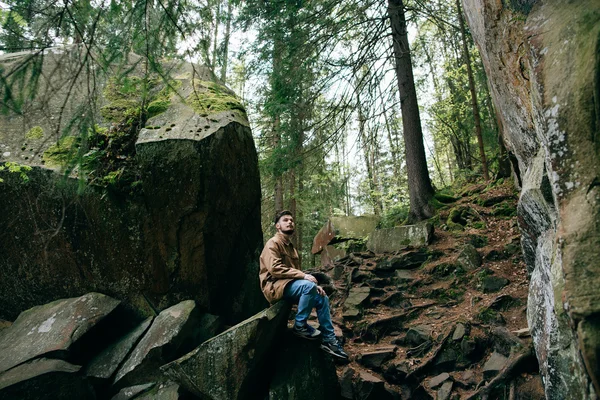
188, 102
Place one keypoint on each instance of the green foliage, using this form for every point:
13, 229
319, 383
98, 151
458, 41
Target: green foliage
15, 168
394, 216
35, 133
504, 209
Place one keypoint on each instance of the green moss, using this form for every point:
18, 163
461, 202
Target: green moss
479, 225
60, 154
35, 133
504, 209
157, 107
119, 110
461, 216
16, 168
478, 241
444, 198
212, 97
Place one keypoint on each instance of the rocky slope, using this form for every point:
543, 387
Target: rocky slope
443, 321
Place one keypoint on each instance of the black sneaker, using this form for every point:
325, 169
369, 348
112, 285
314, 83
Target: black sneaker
334, 349
306, 332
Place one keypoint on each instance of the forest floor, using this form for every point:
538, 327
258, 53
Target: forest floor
446, 321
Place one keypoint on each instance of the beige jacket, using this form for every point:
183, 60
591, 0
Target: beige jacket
279, 264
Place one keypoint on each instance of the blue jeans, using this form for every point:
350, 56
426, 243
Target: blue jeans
304, 293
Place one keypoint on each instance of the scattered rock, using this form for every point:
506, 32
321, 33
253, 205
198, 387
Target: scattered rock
444, 392
44, 378
52, 328
459, 332
436, 381
491, 284
493, 365
504, 302
229, 365
106, 363
419, 334
396, 371
374, 359
172, 333
370, 387
403, 275
468, 378
164, 391
469, 258
356, 297
346, 383
408, 260
400, 237
522, 333
132, 391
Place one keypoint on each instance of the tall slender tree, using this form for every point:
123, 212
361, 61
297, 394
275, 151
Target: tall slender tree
419, 184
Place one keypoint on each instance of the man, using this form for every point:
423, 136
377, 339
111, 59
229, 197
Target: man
281, 278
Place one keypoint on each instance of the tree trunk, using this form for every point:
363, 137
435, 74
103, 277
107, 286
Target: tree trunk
419, 185
213, 63
226, 42
474, 104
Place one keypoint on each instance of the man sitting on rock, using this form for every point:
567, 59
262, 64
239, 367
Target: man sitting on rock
281, 278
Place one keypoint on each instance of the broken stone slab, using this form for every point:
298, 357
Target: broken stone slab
396, 371
172, 333
403, 275
356, 297
491, 284
132, 391
343, 228
469, 258
370, 387
231, 365
331, 254
459, 332
165, 391
418, 334
374, 359
52, 328
444, 392
407, 260
104, 365
45, 378
311, 376
494, 365
436, 381
347, 384
399, 238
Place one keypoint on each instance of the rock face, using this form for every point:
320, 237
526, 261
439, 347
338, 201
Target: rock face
542, 63
170, 214
229, 366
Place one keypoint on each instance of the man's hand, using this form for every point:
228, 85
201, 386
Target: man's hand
321, 291
310, 278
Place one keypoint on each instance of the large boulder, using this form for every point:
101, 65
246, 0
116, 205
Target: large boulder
52, 329
152, 210
310, 376
234, 364
542, 62
339, 229
399, 238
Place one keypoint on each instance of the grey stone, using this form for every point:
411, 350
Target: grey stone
402, 275
104, 365
494, 365
400, 237
447, 359
347, 384
230, 365
52, 328
418, 334
444, 392
556, 155
311, 376
355, 299
468, 378
469, 258
407, 260
163, 391
374, 359
172, 333
459, 332
436, 381
44, 378
396, 371
132, 391
370, 387
184, 222
491, 284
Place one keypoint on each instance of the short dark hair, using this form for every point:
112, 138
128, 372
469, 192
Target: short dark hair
281, 214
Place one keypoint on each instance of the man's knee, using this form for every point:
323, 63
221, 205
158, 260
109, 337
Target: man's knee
308, 286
